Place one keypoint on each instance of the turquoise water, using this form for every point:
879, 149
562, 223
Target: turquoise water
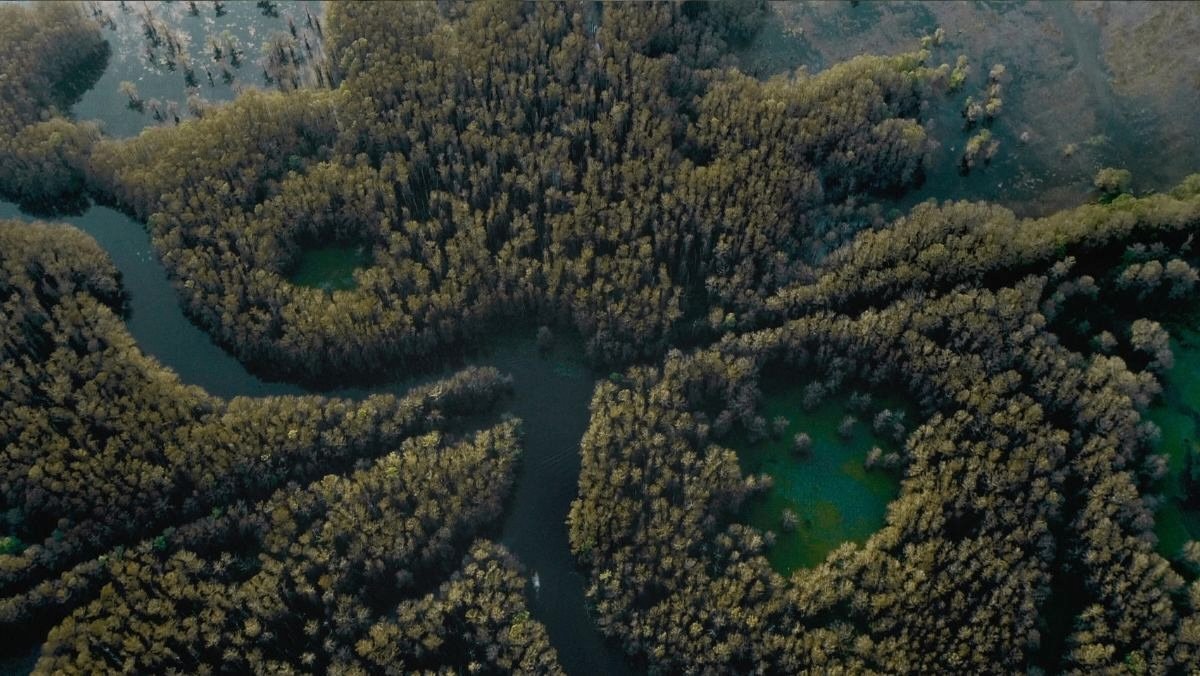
1177, 414
330, 267
835, 499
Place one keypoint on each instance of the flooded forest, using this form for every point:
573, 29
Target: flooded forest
599, 338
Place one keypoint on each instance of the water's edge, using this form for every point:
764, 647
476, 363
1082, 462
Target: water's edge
550, 395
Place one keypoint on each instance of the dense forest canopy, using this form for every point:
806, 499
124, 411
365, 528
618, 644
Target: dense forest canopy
1030, 472
49, 55
115, 474
605, 168
584, 164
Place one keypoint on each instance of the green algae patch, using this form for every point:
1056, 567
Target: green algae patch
833, 496
1177, 414
330, 267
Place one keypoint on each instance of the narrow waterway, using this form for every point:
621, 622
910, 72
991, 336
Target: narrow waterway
550, 394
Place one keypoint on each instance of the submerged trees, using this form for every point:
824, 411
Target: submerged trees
599, 166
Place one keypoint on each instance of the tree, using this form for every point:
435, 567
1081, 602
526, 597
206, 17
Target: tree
130, 90
1149, 337
802, 445
1111, 182
779, 425
846, 427
545, 339
788, 521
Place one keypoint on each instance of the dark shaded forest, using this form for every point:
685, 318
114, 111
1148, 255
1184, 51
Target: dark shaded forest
49, 56
601, 168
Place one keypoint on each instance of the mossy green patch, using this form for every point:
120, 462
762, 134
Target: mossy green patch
330, 267
834, 497
1177, 414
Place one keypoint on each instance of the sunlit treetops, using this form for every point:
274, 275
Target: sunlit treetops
583, 164
104, 449
50, 54
336, 577
1022, 534
938, 246
603, 166
47, 53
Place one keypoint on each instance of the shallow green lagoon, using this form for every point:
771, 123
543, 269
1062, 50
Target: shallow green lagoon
330, 267
835, 499
1178, 416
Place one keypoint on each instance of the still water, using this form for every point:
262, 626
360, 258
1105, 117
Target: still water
330, 267
223, 51
1177, 414
833, 495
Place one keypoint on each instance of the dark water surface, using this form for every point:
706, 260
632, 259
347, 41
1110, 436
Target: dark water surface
551, 395
330, 267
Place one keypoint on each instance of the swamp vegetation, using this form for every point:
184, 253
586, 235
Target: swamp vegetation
306, 391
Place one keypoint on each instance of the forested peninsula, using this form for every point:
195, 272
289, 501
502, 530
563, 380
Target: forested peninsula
607, 171
1029, 471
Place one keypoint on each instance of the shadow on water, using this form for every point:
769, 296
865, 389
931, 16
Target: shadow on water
550, 394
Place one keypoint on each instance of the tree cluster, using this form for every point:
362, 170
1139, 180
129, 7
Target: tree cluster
576, 163
1027, 491
337, 577
50, 54
597, 165
936, 247
102, 448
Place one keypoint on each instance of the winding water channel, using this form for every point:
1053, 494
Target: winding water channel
550, 394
